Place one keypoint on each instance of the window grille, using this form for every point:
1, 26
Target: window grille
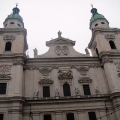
66, 90
86, 89
47, 117
70, 116
46, 91
3, 88
92, 116
1, 116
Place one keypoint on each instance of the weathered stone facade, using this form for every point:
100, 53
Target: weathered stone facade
25, 77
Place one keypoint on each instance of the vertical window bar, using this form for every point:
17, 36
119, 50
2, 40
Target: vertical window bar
92, 116
47, 117
46, 91
3, 88
86, 89
70, 116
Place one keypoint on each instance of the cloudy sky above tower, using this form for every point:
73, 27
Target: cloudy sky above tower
44, 18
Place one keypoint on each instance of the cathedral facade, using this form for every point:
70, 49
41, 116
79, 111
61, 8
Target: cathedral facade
61, 84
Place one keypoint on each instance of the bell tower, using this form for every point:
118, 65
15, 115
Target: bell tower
13, 35
105, 44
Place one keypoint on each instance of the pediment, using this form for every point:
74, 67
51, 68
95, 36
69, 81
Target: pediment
60, 40
4, 77
46, 81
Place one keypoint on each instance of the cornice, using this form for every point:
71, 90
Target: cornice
11, 30
101, 30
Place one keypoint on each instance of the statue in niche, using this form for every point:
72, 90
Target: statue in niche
35, 51
56, 92
86, 50
77, 92
97, 90
65, 74
36, 93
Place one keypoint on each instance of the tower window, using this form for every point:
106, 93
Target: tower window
11, 22
112, 44
47, 117
97, 52
1, 116
8, 46
3, 88
46, 91
86, 89
66, 90
70, 116
92, 116
96, 24
102, 23
5, 25
19, 25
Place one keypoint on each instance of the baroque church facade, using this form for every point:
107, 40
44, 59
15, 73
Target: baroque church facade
61, 84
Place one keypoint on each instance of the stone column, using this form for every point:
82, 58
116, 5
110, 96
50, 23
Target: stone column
81, 115
36, 116
58, 115
111, 75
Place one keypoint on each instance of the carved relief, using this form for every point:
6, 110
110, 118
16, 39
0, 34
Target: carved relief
83, 70
110, 37
5, 72
56, 92
18, 62
58, 50
118, 68
9, 38
65, 74
65, 50
46, 80
85, 80
106, 60
77, 91
45, 71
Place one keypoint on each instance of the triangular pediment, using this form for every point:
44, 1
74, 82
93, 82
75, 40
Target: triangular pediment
4, 77
60, 40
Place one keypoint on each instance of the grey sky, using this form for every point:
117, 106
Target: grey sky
44, 18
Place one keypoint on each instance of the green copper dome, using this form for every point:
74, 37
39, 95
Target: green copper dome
15, 15
96, 15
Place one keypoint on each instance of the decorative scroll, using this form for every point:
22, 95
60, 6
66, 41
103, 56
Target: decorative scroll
65, 74
46, 81
65, 50
45, 71
58, 50
9, 38
83, 70
110, 37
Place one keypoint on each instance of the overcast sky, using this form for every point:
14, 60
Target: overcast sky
44, 18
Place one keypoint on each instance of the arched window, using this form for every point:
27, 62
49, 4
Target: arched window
112, 44
66, 90
8, 46
97, 52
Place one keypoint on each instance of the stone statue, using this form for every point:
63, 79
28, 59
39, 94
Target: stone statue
59, 33
36, 93
56, 92
86, 50
35, 51
96, 90
77, 92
